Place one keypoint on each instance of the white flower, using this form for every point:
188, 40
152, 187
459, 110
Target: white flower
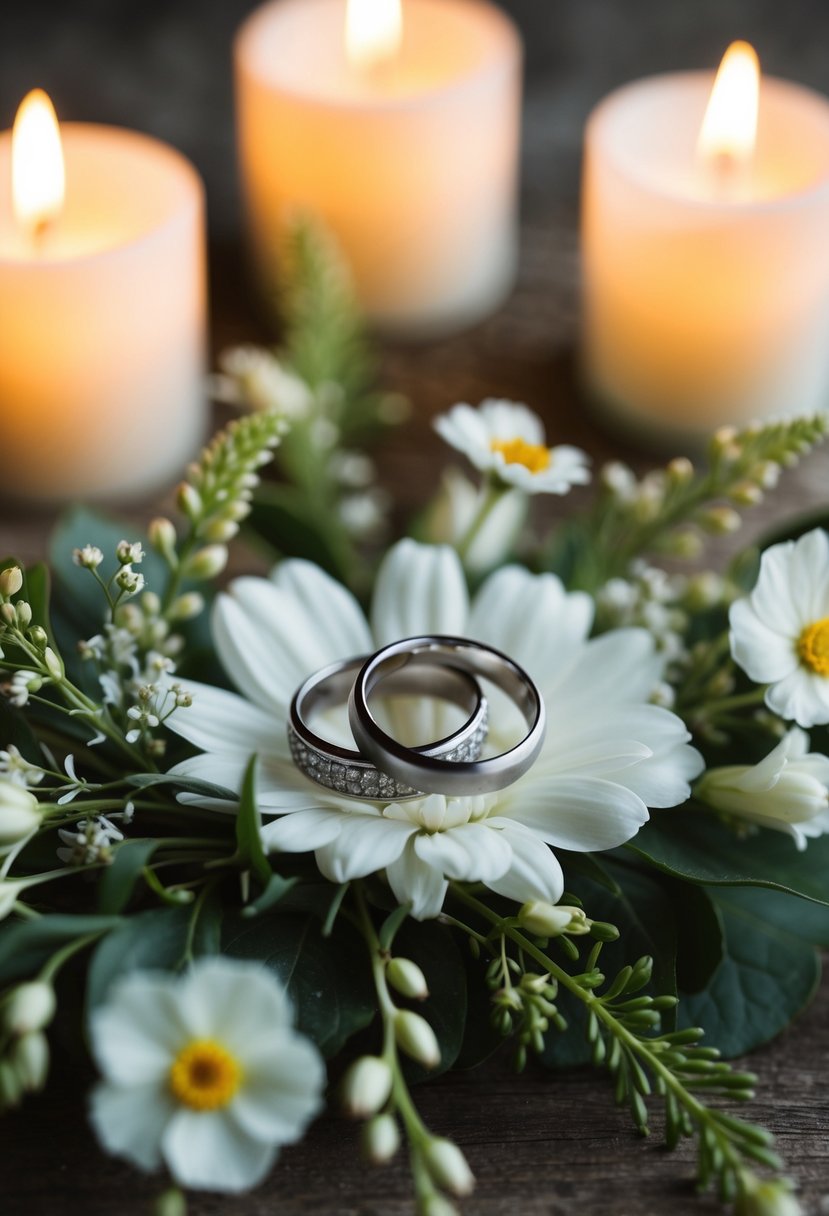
507, 440
89, 557
203, 1072
457, 506
15, 767
608, 755
19, 687
254, 378
788, 790
90, 843
780, 633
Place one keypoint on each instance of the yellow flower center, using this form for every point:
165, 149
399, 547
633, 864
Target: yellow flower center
204, 1075
533, 456
813, 646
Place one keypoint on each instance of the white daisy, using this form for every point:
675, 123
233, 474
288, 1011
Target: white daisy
608, 754
203, 1072
506, 440
780, 633
788, 790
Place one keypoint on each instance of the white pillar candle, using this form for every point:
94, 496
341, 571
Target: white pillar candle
408, 153
706, 271
102, 322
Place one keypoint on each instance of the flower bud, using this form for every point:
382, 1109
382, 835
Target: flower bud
11, 580
129, 553
170, 1203
162, 536
769, 1198
448, 1167
19, 813
547, 920
39, 637
746, 494
189, 501
53, 664
437, 1205
719, 520
221, 530
9, 1086
23, 614
187, 606
8, 614
30, 1007
381, 1139
680, 470
366, 1086
29, 1057
10, 892
207, 562
129, 580
407, 979
415, 1036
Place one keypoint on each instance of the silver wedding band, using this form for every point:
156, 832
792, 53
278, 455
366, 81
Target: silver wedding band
435, 774
349, 772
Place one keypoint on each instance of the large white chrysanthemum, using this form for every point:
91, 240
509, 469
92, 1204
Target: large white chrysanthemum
608, 755
204, 1072
780, 633
506, 439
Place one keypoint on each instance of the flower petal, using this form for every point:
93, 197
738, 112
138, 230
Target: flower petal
220, 721
302, 831
130, 1120
802, 697
534, 871
331, 612
282, 1089
138, 1030
230, 1000
764, 654
580, 814
208, 1151
416, 883
364, 845
472, 852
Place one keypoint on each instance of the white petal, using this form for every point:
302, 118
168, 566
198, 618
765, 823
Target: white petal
511, 420
464, 428
764, 654
809, 575
414, 882
231, 1000
139, 1029
365, 844
302, 831
329, 609
208, 1151
130, 1120
774, 598
802, 697
473, 852
281, 1092
220, 721
618, 668
280, 786
534, 872
580, 814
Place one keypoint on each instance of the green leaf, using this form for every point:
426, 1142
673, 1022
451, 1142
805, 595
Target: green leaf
768, 973
275, 890
249, 827
694, 845
155, 940
188, 785
434, 949
119, 878
327, 978
26, 945
644, 914
700, 939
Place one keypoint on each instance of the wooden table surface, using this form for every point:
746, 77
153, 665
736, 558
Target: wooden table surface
540, 1145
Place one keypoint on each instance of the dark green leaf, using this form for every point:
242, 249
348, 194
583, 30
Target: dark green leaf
155, 940
188, 785
699, 930
694, 845
328, 979
249, 828
119, 878
767, 976
26, 945
434, 949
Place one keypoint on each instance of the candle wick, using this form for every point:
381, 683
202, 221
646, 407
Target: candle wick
729, 175
40, 234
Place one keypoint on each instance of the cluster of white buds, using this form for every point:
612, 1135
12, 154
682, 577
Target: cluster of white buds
89, 842
651, 599
14, 767
253, 378
25, 1012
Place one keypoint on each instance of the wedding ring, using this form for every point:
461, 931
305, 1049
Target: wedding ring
429, 772
348, 771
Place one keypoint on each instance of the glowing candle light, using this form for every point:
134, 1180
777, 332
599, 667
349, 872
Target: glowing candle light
38, 174
373, 32
706, 268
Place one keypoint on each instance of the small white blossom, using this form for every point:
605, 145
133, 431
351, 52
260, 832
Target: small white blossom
89, 557
353, 469
90, 842
255, 379
130, 581
506, 440
17, 768
130, 552
20, 686
364, 515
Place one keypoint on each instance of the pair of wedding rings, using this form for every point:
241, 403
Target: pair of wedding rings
383, 768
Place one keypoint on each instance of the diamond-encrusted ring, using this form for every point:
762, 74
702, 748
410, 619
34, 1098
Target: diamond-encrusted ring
350, 773
429, 772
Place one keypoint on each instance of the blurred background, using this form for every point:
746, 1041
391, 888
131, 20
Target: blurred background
164, 67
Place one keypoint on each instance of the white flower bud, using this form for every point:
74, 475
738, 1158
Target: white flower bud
88, 558
10, 892
221, 530
53, 664
449, 1167
189, 501
680, 470
366, 1086
415, 1036
39, 637
11, 580
162, 536
187, 606
437, 1205
549, 920
207, 562
746, 494
23, 614
768, 1198
19, 813
29, 1057
720, 520
30, 1007
407, 978
8, 614
380, 1139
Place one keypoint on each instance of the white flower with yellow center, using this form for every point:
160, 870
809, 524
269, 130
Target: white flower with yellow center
608, 755
780, 633
202, 1072
506, 440
788, 790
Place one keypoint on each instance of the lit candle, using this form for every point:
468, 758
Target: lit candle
102, 310
706, 263
398, 125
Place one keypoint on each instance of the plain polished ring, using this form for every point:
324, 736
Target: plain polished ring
348, 771
430, 773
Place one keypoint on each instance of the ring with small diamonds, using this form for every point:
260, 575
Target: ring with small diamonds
432, 773
347, 771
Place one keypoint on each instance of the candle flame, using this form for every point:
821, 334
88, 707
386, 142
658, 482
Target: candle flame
38, 178
729, 129
373, 32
